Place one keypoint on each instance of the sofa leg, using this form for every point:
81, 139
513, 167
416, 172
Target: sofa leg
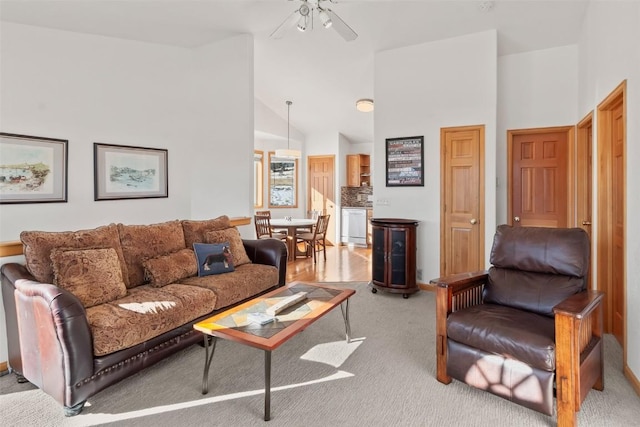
70, 411
20, 379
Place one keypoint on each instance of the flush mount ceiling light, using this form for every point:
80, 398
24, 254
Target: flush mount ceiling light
365, 105
302, 18
288, 153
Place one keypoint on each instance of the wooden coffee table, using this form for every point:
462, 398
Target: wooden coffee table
233, 324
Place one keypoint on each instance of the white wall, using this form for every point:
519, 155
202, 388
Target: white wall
610, 53
197, 103
535, 89
418, 90
220, 155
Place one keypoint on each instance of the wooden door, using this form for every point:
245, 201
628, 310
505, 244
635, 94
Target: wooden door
321, 190
611, 211
462, 199
618, 189
539, 177
584, 182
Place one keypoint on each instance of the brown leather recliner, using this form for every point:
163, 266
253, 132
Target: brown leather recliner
528, 329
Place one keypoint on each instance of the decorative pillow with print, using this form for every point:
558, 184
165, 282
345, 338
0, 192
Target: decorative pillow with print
231, 235
92, 275
213, 258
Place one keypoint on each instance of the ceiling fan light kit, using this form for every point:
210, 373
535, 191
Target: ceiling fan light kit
365, 105
328, 18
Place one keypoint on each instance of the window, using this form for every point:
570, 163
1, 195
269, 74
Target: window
283, 182
258, 178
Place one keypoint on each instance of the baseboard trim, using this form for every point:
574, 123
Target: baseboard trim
427, 287
635, 383
4, 366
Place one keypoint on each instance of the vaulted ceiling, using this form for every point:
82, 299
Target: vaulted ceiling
320, 72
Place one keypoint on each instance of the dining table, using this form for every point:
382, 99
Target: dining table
292, 225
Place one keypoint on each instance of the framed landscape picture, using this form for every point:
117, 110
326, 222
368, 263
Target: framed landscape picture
405, 161
32, 169
125, 172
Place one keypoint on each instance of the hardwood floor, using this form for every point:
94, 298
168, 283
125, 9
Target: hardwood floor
343, 264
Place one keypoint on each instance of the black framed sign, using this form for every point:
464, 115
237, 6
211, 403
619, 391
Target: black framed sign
405, 161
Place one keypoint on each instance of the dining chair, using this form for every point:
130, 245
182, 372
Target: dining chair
264, 230
316, 240
276, 231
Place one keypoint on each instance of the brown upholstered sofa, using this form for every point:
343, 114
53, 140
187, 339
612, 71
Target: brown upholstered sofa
92, 307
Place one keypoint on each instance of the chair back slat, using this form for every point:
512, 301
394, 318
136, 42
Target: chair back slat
263, 226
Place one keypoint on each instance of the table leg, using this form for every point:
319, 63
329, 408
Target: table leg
207, 361
291, 245
344, 307
267, 385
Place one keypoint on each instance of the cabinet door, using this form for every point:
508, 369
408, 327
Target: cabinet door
353, 170
398, 257
378, 255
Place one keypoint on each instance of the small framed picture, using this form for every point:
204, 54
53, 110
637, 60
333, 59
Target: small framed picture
125, 172
405, 161
33, 169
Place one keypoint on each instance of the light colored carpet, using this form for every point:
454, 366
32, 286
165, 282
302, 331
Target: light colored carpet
386, 377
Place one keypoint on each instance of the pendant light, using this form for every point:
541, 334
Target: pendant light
288, 153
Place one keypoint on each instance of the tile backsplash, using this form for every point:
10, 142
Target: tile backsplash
356, 197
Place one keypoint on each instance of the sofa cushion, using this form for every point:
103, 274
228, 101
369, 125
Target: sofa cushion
38, 246
246, 281
512, 333
92, 275
144, 313
166, 269
142, 242
194, 230
214, 258
231, 235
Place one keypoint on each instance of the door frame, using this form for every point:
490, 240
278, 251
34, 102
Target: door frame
481, 193
584, 183
605, 207
570, 131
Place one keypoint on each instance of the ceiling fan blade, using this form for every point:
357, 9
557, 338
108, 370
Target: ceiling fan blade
341, 27
286, 24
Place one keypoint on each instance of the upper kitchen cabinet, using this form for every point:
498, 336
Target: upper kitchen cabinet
358, 170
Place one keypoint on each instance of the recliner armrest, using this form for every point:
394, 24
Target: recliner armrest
579, 305
459, 282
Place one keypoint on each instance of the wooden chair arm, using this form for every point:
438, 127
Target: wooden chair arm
454, 293
579, 305
458, 282
579, 352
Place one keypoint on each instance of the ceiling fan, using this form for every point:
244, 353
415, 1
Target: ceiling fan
302, 18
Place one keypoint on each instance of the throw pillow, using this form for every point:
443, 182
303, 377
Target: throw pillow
213, 258
92, 275
39, 244
231, 235
194, 230
141, 242
163, 270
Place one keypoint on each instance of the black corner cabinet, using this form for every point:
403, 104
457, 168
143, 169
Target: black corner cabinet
393, 255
